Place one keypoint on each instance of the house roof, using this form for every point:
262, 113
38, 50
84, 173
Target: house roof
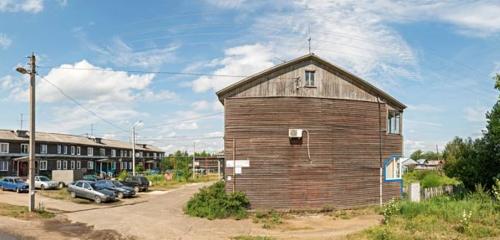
10, 135
225, 92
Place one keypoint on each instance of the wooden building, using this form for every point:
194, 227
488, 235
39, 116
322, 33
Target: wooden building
56, 151
308, 134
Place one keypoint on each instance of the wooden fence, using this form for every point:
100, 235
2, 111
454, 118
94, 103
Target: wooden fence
431, 192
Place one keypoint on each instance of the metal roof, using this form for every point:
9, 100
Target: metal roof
10, 135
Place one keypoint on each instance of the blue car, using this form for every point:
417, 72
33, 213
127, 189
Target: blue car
14, 184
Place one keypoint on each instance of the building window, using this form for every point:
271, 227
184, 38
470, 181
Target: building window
4, 148
392, 170
130, 166
4, 166
73, 150
58, 165
309, 78
65, 149
43, 149
43, 165
90, 151
154, 155
90, 165
113, 152
24, 148
78, 151
121, 165
102, 152
72, 165
393, 122
78, 164
59, 149
65, 165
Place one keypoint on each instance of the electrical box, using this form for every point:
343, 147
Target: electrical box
295, 133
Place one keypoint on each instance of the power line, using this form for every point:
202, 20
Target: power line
82, 106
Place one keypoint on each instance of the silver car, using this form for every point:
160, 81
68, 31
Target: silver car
88, 190
43, 182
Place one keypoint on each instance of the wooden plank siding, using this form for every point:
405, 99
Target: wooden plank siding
344, 148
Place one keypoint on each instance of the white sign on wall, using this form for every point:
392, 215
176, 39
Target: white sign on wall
239, 163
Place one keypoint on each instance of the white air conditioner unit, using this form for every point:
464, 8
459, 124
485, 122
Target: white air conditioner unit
295, 133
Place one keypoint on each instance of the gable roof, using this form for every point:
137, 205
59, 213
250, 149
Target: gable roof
10, 135
225, 92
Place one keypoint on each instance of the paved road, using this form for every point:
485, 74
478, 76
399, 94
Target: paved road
162, 218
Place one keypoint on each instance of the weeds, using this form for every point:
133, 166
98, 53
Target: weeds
269, 219
213, 202
390, 208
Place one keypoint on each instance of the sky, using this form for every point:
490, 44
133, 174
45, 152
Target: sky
104, 65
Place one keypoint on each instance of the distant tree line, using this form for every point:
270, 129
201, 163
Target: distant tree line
180, 163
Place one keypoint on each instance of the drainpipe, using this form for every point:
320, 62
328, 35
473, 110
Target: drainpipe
381, 202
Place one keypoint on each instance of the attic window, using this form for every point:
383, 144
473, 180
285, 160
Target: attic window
393, 122
309, 78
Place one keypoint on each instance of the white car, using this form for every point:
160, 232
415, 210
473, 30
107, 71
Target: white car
44, 182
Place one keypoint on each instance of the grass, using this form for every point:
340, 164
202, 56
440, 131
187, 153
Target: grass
21, 212
62, 194
249, 237
160, 184
440, 218
429, 178
269, 219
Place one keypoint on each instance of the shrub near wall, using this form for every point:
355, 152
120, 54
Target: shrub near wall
213, 202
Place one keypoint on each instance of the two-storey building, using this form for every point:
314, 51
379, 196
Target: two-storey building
55, 151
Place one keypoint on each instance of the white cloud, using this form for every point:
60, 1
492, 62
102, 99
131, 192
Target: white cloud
424, 108
475, 114
121, 54
241, 60
217, 106
5, 41
200, 105
31, 6
187, 126
230, 4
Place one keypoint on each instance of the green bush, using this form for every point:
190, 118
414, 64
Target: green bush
213, 202
123, 174
429, 178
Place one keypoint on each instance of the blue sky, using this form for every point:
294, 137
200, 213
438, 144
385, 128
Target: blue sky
438, 57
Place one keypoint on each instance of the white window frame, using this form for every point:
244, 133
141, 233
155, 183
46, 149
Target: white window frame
59, 149
90, 151
78, 164
113, 152
397, 170
4, 166
121, 165
43, 165
65, 165
309, 78
394, 122
73, 165
90, 164
78, 151
25, 146
130, 166
4, 147
102, 152
44, 149
58, 165
65, 149
73, 150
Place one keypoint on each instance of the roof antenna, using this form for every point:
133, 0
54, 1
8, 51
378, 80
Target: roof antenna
309, 39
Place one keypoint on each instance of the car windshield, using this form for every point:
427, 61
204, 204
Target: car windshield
44, 178
18, 180
106, 183
93, 186
117, 183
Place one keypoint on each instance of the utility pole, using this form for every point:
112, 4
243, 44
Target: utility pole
194, 158
31, 166
133, 150
22, 121
234, 165
92, 129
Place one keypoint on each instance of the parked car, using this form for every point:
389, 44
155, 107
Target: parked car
44, 182
92, 178
14, 184
119, 189
88, 190
139, 183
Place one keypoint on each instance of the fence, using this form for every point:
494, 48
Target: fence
416, 193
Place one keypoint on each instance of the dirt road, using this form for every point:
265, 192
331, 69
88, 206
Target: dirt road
160, 216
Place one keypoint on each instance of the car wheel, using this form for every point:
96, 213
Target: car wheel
136, 189
3, 189
17, 190
42, 187
61, 185
120, 195
73, 194
98, 200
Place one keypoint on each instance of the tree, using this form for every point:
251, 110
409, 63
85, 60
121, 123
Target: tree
416, 155
477, 162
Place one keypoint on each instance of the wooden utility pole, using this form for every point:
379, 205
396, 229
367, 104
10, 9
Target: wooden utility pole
32, 134
194, 158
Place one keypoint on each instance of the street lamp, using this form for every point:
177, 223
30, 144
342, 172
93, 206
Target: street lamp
137, 124
31, 163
